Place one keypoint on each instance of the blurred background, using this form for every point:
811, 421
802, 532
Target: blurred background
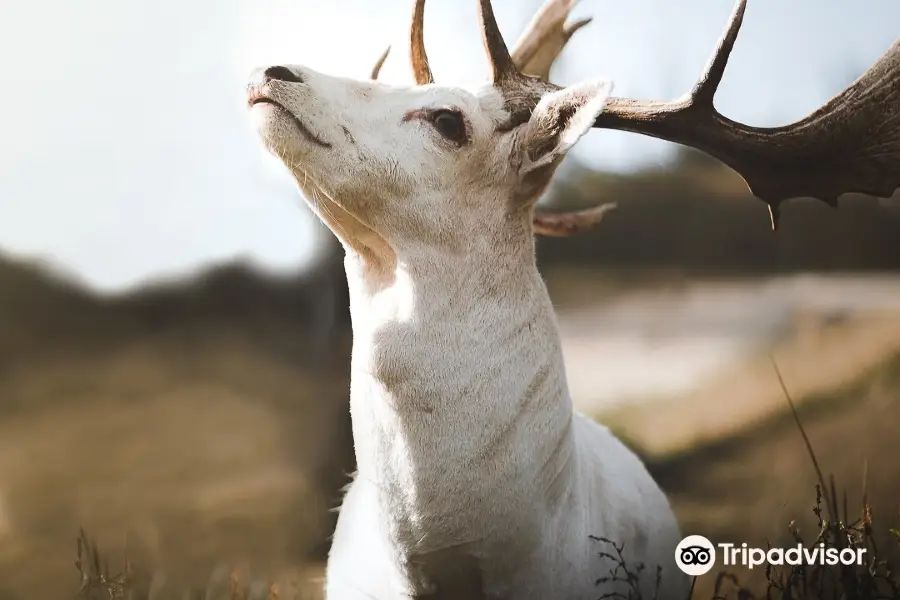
174, 332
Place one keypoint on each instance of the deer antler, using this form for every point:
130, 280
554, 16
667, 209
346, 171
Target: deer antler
851, 144
569, 223
380, 63
535, 52
546, 35
417, 55
502, 65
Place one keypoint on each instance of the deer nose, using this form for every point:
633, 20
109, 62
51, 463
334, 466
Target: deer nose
281, 73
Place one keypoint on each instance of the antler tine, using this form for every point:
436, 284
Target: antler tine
709, 81
502, 65
569, 223
380, 63
417, 54
545, 37
850, 144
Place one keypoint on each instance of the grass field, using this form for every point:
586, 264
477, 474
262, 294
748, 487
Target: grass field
751, 486
198, 441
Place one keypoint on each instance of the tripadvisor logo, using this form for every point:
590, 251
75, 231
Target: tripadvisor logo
695, 555
795, 555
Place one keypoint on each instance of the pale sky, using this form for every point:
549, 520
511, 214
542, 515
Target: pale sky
127, 154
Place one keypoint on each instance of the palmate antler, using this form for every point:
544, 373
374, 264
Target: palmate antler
850, 144
545, 37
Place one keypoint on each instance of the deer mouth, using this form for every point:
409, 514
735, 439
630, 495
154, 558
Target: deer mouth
257, 98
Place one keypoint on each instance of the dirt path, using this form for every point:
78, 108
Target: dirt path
818, 357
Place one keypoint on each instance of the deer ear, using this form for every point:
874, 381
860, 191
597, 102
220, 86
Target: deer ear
559, 120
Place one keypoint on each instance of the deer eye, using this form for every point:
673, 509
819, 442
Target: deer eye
450, 124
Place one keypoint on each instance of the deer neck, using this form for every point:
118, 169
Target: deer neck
459, 402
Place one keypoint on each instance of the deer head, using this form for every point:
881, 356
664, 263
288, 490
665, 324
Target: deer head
381, 164
387, 165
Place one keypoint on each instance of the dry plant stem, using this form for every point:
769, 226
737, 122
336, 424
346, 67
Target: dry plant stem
832, 510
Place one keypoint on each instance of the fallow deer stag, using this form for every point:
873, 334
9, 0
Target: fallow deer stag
476, 478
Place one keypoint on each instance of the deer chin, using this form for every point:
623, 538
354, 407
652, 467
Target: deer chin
281, 130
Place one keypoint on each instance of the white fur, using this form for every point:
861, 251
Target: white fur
476, 479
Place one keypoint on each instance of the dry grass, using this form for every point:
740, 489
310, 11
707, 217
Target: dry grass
231, 458
190, 432
756, 488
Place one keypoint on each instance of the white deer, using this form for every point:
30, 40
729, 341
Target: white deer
476, 478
